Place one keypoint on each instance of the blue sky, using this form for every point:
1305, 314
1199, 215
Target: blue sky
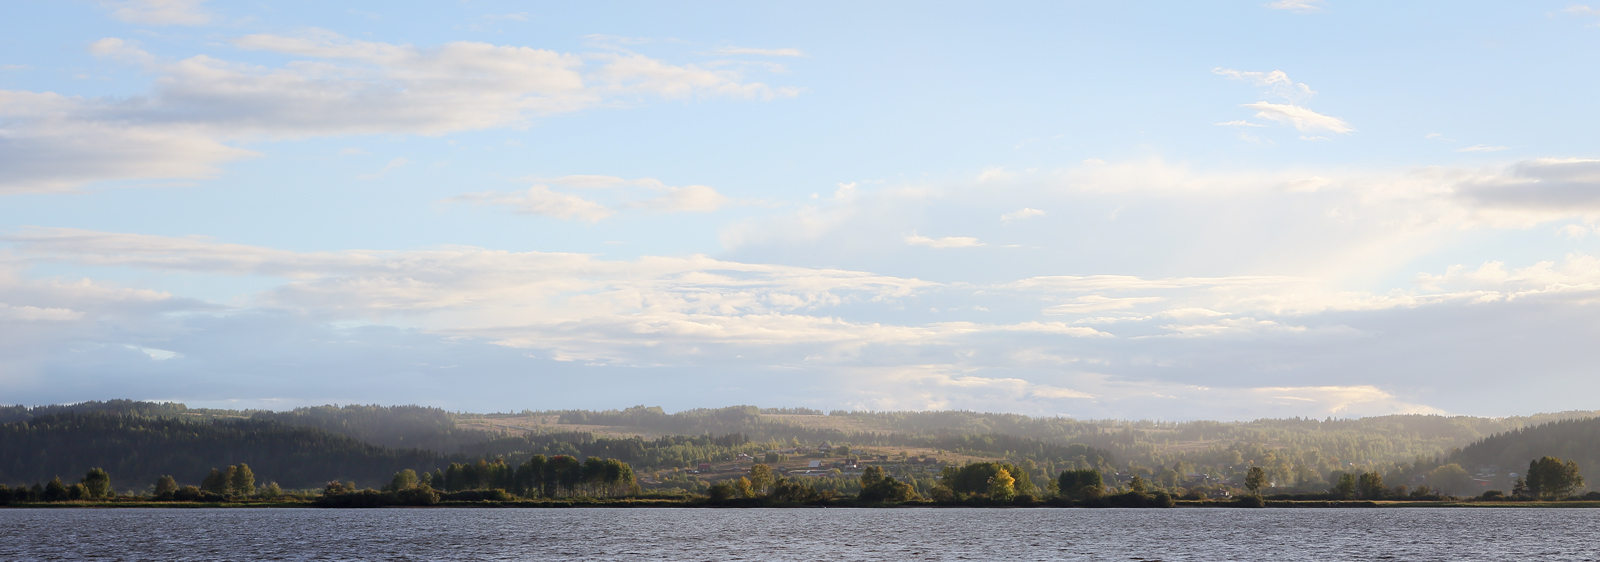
1173, 210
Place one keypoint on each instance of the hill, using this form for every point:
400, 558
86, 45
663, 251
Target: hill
415, 427
1297, 453
138, 449
1574, 440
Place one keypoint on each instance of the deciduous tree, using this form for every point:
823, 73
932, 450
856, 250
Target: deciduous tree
1254, 479
1553, 479
97, 484
241, 481
1002, 486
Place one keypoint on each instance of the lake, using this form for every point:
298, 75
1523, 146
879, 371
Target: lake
832, 535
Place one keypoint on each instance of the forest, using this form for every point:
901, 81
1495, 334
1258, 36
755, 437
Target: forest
692, 452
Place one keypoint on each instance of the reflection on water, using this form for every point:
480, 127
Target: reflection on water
834, 535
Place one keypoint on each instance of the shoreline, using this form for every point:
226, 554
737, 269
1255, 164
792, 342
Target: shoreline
694, 504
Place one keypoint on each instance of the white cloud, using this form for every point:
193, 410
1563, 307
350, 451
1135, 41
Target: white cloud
786, 52
1292, 113
576, 305
1240, 123
947, 242
1020, 214
1290, 342
1483, 148
1555, 187
632, 74
1277, 82
392, 165
25, 312
1301, 6
1098, 303
343, 87
159, 12
1341, 401
540, 200
689, 198
601, 182
1581, 10
994, 174
1302, 118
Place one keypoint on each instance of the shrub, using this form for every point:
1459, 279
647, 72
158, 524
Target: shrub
490, 495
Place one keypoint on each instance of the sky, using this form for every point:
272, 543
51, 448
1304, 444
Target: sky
1156, 210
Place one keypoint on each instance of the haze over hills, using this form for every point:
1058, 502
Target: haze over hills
303, 448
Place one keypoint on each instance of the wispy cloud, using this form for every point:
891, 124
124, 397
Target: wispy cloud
159, 12
342, 86
1483, 148
1239, 123
1300, 117
1020, 214
393, 164
1277, 82
947, 242
686, 199
540, 200
1581, 10
633, 194
1301, 6
785, 52
1292, 113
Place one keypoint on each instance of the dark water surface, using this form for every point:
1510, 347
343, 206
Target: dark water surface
832, 535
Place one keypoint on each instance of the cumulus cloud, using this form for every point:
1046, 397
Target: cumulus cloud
159, 12
343, 86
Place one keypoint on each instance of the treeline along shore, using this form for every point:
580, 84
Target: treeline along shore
127, 453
